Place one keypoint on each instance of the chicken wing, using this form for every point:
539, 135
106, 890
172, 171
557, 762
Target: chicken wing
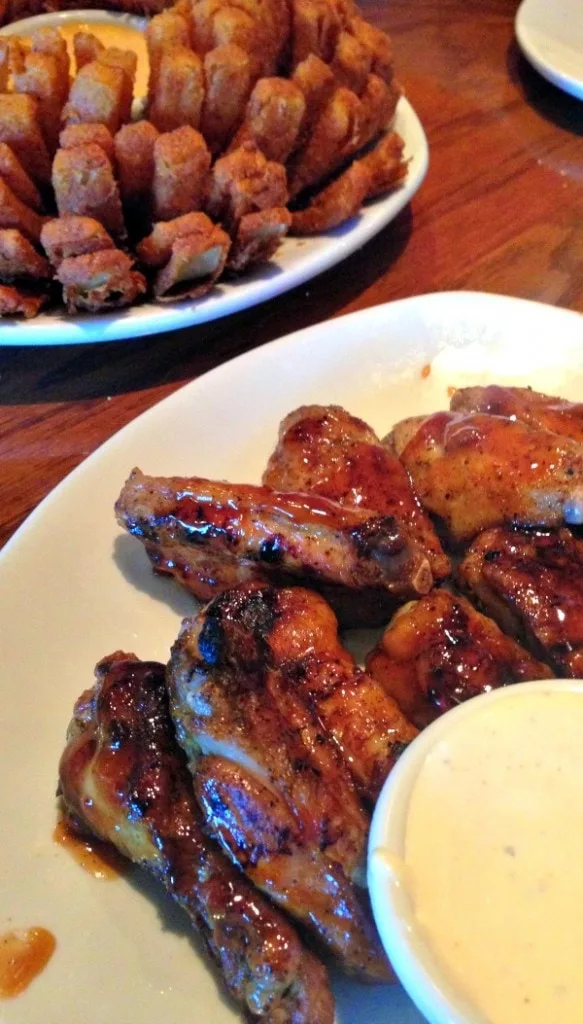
124, 777
212, 535
272, 786
524, 404
326, 451
439, 651
532, 584
476, 471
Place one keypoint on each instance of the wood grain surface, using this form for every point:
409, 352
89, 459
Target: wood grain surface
501, 210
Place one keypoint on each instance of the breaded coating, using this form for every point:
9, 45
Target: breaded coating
82, 134
379, 102
227, 76
5, 54
385, 165
379, 45
380, 170
245, 182
40, 77
18, 258
336, 203
273, 118
179, 90
84, 185
13, 173
86, 48
260, 27
127, 62
99, 281
335, 136
14, 214
134, 155
316, 28
317, 83
351, 63
50, 42
165, 31
73, 236
97, 94
19, 129
196, 262
155, 250
20, 300
258, 237
181, 166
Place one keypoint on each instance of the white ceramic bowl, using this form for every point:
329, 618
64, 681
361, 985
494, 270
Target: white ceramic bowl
412, 958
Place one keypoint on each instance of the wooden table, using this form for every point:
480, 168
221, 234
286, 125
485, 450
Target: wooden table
501, 210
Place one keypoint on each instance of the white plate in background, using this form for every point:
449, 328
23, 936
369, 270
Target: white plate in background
296, 261
73, 588
550, 34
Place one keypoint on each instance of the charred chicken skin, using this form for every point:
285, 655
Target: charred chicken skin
537, 410
213, 535
124, 777
271, 780
532, 584
477, 471
326, 451
439, 651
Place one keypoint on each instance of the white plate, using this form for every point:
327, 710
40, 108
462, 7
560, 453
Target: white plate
72, 589
297, 260
550, 34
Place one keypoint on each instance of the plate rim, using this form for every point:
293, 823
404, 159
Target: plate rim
267, 282
561, 79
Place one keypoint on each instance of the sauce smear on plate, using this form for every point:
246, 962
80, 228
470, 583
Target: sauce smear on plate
23, 955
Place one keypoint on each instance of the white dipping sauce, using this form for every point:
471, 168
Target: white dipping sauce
494, 857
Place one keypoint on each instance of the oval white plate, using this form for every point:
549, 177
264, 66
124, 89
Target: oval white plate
550, 34
72, 589
297, 260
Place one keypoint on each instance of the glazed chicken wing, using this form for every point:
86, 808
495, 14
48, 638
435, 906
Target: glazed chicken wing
532, 583
524, 404
326, 451
124, 777
476, 471
272, 785
439, 651
212, 535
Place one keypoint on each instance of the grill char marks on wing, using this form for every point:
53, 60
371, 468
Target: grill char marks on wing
213, 535
273, 784
124, 777
439, 651
531, 582
325, 450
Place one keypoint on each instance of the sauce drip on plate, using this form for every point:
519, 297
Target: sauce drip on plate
23, 955
100, 859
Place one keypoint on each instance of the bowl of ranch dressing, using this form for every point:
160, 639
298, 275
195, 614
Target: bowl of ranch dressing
475, 860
